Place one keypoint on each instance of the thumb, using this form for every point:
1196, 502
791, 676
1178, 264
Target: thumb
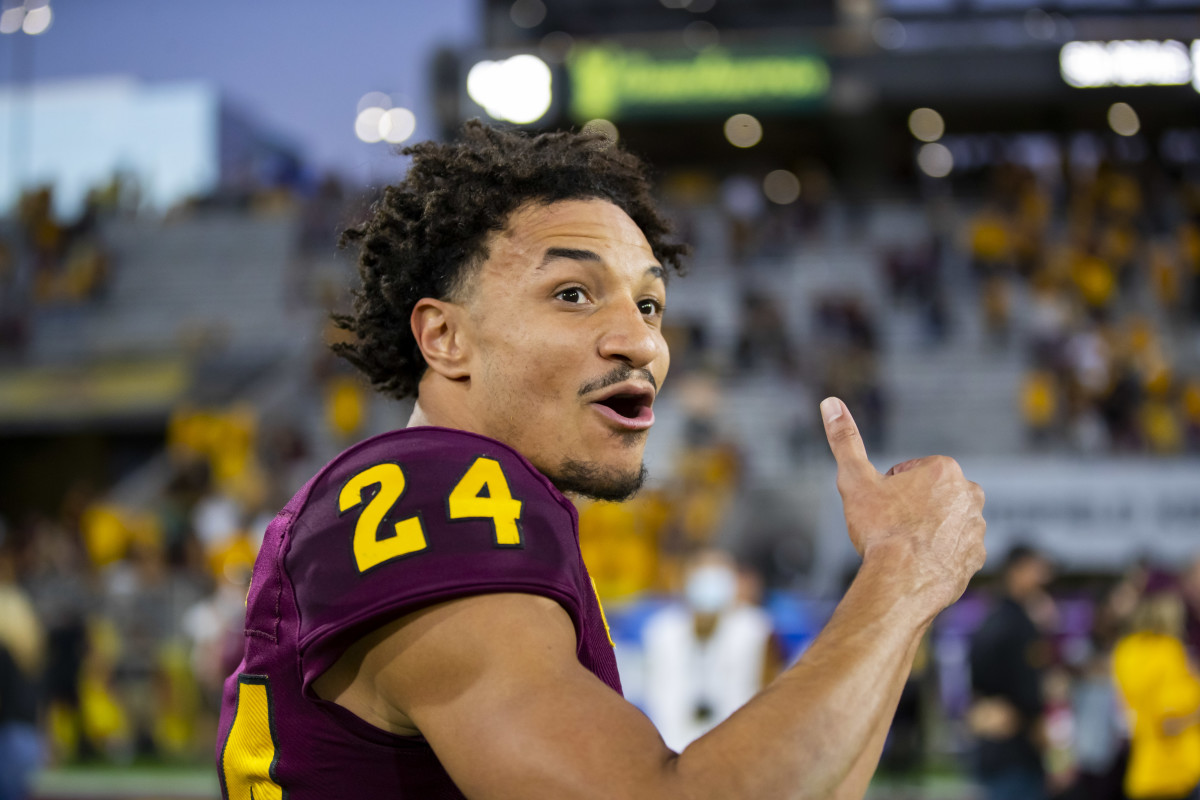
845, 441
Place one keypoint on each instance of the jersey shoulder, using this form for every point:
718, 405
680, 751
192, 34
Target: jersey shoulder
418, 516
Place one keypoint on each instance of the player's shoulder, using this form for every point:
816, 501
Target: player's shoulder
416, 516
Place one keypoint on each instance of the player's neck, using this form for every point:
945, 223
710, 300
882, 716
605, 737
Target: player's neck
419, 417
438, 415
445, 404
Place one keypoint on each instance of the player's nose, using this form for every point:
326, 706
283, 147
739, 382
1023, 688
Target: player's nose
627, 336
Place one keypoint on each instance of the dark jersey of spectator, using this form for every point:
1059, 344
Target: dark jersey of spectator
1007, 660
18, 692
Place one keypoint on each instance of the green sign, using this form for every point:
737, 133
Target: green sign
610, 82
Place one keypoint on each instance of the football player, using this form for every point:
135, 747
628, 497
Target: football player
420, 623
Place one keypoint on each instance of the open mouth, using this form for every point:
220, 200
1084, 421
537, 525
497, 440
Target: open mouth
629, 409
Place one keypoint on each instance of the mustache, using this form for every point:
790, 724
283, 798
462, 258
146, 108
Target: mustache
619, 374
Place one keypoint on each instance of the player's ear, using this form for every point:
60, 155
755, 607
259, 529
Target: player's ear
437, 325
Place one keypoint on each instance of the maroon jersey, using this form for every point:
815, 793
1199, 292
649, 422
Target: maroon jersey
395, 523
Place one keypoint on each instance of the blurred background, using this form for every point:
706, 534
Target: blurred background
977, 221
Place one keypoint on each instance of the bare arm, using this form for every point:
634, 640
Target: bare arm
855, 784
494, 684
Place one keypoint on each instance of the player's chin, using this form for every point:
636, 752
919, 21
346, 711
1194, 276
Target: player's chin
597, 481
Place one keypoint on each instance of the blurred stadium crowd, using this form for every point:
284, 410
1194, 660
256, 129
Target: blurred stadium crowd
123, 615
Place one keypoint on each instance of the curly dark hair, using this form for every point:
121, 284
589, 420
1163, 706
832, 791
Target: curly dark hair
429, 231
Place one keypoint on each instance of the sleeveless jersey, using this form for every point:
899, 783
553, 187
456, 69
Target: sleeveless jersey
395, 523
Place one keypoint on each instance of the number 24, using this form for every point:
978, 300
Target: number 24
467, 500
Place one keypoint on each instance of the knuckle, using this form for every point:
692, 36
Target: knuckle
845, 433
941, 465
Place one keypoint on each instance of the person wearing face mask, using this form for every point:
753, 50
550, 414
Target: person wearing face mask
708, 655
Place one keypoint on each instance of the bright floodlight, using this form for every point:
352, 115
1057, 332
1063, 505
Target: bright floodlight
1123, 119
366, 124
397, 124
781, 187
11, 19
743, 130
926, 124
37, 20
935, 160
1196, 64
1087, 65
515, 90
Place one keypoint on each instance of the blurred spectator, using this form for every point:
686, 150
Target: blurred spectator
1162, 695
22, 651
70, 262
708, 656
1008, 656
621, 544
1039, 407
990, 242
1189, 586
145, 600
1099, 738
61, 588
763, 340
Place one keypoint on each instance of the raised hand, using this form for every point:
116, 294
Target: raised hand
923, 516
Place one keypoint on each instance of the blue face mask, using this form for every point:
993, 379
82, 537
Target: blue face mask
711, 589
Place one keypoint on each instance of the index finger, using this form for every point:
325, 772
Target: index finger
845, 441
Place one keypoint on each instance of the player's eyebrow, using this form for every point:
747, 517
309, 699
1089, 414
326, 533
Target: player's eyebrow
571, 253
579, 254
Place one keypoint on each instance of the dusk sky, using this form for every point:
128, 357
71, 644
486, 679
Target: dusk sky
297, 66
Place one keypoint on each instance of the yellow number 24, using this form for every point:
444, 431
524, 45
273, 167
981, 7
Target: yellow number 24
484, 492
481, 493
369, 549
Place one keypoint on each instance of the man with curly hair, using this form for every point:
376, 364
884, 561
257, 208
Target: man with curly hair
420, 623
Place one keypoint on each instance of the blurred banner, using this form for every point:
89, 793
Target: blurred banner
614, 83
92, 392
1089, 516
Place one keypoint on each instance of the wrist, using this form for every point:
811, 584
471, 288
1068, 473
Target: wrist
893, 573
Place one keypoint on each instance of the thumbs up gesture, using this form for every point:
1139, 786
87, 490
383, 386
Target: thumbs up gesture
923, 515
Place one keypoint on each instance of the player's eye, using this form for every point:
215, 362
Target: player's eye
573, 295
650, 308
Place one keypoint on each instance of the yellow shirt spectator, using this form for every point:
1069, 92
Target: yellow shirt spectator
1152, 675
1039, 399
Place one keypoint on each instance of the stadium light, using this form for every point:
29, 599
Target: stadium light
781, 187
935, 160
926, 124
517, 89
366, 124
1123, 119
377, 121
37, 19
743, 130
32, 17
1196, 64
1089, 65
397, 125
